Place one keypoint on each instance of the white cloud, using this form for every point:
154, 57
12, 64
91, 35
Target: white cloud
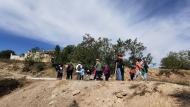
65, 21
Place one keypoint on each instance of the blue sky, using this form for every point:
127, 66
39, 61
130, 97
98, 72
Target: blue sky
162, 25
20, 44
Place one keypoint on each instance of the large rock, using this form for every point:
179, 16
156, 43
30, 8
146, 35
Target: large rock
76, 92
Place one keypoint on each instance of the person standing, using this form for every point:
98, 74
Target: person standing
59, 70
78, 69
145, 68
98, 67
69, 71
119, 68
139, 68
106, 72
94, 73
82, 72
132, 72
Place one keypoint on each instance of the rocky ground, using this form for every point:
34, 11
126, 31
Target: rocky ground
21, 90
98, 94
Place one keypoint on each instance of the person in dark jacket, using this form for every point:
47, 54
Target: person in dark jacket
106, 72
145, 68
70, 70
119, 68
59, 70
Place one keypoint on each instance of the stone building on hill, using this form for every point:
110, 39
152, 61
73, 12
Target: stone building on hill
43, 56
17, 57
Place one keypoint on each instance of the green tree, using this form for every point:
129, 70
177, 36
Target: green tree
120, 47
148, 58
5, 54
57, 53
35, 49
67, 53
90, 49
171, 61
177, 60
106, 51
134, 48
87, 51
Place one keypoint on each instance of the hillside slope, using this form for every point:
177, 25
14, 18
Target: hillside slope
157, 92
98, 93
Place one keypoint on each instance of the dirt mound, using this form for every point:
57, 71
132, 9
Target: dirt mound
53, 93
98, 93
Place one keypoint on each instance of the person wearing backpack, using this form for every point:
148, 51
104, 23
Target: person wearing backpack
69, 71
78, 69
98, 67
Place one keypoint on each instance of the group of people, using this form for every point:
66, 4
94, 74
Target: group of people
95, 73
100, 72
140, 68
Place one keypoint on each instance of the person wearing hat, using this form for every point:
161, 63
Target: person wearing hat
119, 67
78, 69
98, 67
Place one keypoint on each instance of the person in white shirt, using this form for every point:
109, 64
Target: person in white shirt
78, 69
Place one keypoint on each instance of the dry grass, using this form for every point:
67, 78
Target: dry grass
182, 77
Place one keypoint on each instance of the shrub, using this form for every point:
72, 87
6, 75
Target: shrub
5, 54
26, 68
29, 61
40, 67
174, 60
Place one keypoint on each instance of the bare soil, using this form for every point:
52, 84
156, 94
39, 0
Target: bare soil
21, 90
98, 93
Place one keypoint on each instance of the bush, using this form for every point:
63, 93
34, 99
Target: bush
180, 60
40, 67
165, 72
29, 61
28, 65
26, 68
5, 54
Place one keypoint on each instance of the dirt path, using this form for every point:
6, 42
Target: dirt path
55, 93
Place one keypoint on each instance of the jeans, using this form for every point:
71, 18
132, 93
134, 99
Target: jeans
81, 77
69, 76
78, 76
145, 76
59, 75
118, 74
139, 73
98, 75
